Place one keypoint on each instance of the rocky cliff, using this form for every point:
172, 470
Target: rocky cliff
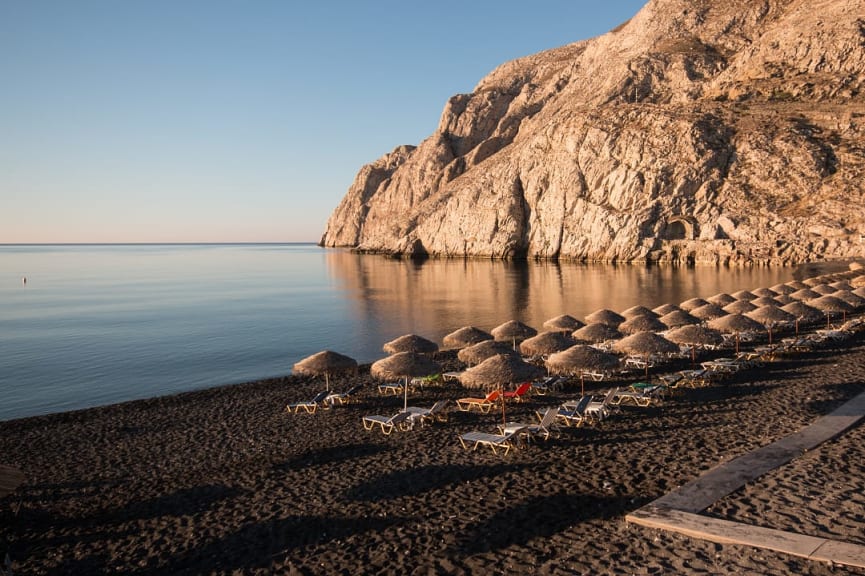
718, 131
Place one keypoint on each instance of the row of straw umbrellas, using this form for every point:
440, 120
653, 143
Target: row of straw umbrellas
569, 345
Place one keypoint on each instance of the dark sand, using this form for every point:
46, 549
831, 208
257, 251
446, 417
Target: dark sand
223, 481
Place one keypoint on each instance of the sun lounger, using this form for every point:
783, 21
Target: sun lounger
391, 388
343, 397
517, 395
309, 405
644, 397
574, 414
483, 404
424, 415
546, 428
694, 378
471, 440
599, 410
388, 423
546, 385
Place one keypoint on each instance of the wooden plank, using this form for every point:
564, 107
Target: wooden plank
728, 477
727, 532
677, 511
840, 553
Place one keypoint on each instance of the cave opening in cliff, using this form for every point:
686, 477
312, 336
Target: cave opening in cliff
679, 228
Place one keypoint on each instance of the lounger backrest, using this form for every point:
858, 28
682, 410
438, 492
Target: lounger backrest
523, 388
582, 404
320, 396
549, 417
609, 397
399, 417
492, 396
438, 407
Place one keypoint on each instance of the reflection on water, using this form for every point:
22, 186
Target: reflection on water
101, 324
435, 297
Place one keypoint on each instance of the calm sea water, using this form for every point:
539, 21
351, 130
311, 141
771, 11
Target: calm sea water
101, 324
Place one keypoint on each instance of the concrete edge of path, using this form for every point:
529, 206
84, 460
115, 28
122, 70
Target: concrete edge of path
678, 511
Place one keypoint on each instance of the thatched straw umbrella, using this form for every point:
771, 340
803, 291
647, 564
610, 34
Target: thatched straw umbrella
692, 303
802, 312
829, 305
860, 291
823, 289
645, 344
720, 299
770, 316
563, 323
325, 362
581, 358
796, 284
813, 281
708, 312
841, 285
499, 371
764, 301
783, 299
642, 324
764, 293
605, 316
850, 298
513, 331
638, 311
805, 294
596, 333
679, 318
739, 307
404, 365
411, 343
664, 309
783, 289
743, 295
477, 353
465, 336
695, 335
735, 324
858, 281
546, 343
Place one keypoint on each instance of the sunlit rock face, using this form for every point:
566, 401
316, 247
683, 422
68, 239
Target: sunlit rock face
726, 131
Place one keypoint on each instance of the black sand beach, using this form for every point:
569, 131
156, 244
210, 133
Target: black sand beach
224, 481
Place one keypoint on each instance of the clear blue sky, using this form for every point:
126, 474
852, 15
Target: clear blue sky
234, 120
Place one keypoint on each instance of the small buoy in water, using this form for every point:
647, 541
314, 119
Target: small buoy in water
24, 280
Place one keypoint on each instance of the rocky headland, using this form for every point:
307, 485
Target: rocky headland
708, 131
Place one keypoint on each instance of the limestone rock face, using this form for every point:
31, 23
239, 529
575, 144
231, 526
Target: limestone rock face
718, 131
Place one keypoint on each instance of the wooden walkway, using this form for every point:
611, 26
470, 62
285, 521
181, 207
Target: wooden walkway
679, 510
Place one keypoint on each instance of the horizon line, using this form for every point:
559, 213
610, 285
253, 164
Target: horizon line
310, 242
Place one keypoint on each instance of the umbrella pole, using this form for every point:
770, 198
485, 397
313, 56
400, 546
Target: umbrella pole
405, 395
582, 383
693, 355
737, 342
326, 382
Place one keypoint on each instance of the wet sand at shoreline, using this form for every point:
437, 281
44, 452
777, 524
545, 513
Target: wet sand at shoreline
223, 481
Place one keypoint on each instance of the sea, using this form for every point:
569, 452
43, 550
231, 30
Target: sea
89, 325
